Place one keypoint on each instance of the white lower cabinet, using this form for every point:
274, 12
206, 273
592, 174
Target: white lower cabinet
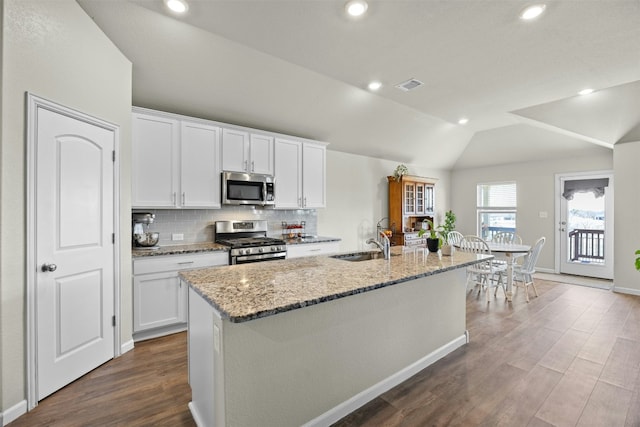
160, 297
312, 249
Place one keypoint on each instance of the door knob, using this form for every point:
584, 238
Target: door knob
49, 267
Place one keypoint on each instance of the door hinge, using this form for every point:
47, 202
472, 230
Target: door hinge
114, 156
113, 321
113, 238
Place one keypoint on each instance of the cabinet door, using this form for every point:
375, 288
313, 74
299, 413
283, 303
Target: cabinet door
420, 198
159, 300
200, 165
409, 198
313, 175
235, 150
261, 153
154, 172
288, 174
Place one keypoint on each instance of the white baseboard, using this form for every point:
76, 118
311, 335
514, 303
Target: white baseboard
195, 415
546, 270
350, 405
13, 413
630, 291
127, 346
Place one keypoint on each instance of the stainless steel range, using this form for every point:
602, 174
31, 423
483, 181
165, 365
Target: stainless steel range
248, 241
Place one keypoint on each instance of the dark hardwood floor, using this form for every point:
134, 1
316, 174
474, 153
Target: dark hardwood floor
569, 357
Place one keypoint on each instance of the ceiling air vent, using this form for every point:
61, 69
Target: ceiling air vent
409, 85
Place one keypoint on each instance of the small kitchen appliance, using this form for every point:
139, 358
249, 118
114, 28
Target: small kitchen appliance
142, 237
248, 241
248, 189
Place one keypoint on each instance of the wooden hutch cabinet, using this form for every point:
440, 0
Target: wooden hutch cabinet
411, 200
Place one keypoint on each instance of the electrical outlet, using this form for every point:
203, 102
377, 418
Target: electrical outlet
177, 236
543, 214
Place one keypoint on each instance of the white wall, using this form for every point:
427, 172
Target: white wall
627, 223
54, 50
358, 196
536, 192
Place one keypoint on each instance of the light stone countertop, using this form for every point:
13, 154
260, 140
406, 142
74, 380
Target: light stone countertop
250, 291
178, 249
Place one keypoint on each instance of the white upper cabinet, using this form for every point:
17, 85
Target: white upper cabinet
314, 175
154, 170
288, 174
247, 152
200, 166
175, 163
178, 160
300, 171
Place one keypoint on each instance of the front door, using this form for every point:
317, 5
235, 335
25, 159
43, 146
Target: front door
585, 225
74, 249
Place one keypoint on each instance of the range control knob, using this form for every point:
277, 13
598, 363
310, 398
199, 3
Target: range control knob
260, 250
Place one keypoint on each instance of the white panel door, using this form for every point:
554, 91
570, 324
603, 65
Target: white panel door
586, 229
200, 165
74, 249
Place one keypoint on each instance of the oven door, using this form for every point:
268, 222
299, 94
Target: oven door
245, 259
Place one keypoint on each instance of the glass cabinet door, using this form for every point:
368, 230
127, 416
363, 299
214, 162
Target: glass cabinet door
409, 198
420, 199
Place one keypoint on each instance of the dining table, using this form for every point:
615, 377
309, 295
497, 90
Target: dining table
510, 250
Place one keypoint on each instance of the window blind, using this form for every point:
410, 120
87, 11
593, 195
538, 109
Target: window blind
501, 195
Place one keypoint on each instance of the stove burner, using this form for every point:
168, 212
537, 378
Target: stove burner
247, 242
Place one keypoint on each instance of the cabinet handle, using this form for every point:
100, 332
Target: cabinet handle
300, 201
180, 283
315, 250
246, 162
252, 167
186, 262
304, 205
183, 197
174, 198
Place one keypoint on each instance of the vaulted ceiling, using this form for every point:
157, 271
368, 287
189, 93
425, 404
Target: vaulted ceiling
302, 68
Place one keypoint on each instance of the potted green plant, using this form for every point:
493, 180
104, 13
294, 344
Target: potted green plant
444, 229
638, 260
433, 241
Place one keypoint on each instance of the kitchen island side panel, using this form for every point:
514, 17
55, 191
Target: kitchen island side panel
290, 368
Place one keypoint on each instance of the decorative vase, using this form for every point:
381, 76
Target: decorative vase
447, 250
433, 244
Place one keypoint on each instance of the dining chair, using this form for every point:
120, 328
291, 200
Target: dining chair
485, 274
523, 274
507, 237
454, 238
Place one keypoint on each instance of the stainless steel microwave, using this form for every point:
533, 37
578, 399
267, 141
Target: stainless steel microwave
248, 189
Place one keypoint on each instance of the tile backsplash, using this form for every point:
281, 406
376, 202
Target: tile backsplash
197, 225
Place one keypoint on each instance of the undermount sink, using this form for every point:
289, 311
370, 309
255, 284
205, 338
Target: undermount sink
361, 256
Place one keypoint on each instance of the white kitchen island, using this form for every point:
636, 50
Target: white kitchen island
307, 341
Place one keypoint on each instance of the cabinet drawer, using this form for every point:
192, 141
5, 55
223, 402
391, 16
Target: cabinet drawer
312, 249
158, 264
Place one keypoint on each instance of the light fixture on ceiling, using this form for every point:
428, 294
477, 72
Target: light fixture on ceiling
177, 6
532, 12
463, 121
356, 8
586, 91
374, 85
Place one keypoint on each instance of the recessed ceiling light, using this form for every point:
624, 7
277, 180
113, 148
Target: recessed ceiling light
463, 121
374, 85
356, 7
532, 12
178, 6
585, 91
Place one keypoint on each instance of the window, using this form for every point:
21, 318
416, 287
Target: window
496, 207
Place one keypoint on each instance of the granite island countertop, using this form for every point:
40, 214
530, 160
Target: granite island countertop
250, 291
179, 249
